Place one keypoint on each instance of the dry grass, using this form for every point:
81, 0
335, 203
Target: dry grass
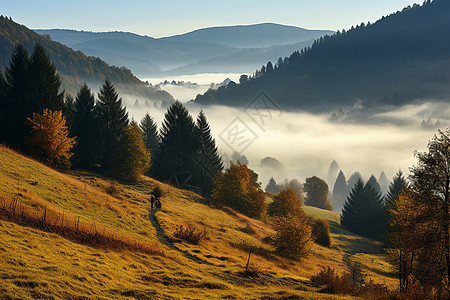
40, 264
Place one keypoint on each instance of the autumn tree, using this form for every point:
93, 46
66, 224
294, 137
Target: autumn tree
293, 238
238, 188
284, 203
431, 180
132, 158
316, 190
48, 139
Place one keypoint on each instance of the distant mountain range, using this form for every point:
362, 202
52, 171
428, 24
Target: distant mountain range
74, 67
398, 59
238, 49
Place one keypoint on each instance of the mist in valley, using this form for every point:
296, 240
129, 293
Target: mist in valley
358, 138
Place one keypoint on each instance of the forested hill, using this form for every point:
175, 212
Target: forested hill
400, 58
73, 67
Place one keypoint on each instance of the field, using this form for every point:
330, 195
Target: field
44, 212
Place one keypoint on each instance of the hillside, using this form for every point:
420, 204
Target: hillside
40, 263
398, 59
73, 67
216, 49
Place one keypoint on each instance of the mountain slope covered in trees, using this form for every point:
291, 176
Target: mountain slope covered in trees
402, 57
73, 67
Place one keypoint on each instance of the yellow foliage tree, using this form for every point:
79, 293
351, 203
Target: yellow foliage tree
238, 188
48, 140
132, 158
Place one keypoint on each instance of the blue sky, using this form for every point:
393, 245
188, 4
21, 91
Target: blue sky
163, 18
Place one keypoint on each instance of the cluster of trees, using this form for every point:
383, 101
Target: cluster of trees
316, 190
418, 239
36, 118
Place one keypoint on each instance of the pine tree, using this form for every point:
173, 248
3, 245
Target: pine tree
112, 120
395, 188
352, 181
363, 211
69, 111
384, 183
45, 83
179, 146
3, 103
374, 183
150, 131
271, 186
340, 191
83, 128
209, 163
16, 103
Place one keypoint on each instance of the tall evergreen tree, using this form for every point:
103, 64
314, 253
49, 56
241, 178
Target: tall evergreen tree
384, 183
363, 211
340, 191
179, 146
352, 181
83, 128
16, 103
45, 83
112, 120
3, 123
271, 186
209, 163
150, 131
374, 183
395, 188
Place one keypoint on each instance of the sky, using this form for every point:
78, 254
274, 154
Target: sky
165, 18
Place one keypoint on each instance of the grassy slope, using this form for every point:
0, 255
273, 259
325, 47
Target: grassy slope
37, 264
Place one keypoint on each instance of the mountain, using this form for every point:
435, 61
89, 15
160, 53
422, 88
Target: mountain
78, 235
210, 48
250, 36
398, 59
74, 67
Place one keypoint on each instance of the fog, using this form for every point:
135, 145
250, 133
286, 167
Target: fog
306, 143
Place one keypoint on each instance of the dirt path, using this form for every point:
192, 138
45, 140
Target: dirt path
163, 238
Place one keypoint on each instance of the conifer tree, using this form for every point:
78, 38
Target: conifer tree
112, 120
209, 163
179, 146
16, 103
83, 128
352, 181
374, 183
384, 183
271, 186
340, 191
150, 133
45, 83
3, 103
395, 188
354, 210
69, 111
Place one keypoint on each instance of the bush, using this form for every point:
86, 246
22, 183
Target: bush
293, 238
157, 192
334, 283
189, 234
321, 232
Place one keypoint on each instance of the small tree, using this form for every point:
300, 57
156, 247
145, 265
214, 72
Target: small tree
271, 186
48, 140
284, 203
293, 238
317, 193
238, 188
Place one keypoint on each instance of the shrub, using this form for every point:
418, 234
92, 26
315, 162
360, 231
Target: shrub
157, 192
190, 234
321, 232
293, 238
334, 283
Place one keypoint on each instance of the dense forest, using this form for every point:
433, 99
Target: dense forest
74, 68
399, 58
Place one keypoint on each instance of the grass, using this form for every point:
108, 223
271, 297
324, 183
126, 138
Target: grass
42, 264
